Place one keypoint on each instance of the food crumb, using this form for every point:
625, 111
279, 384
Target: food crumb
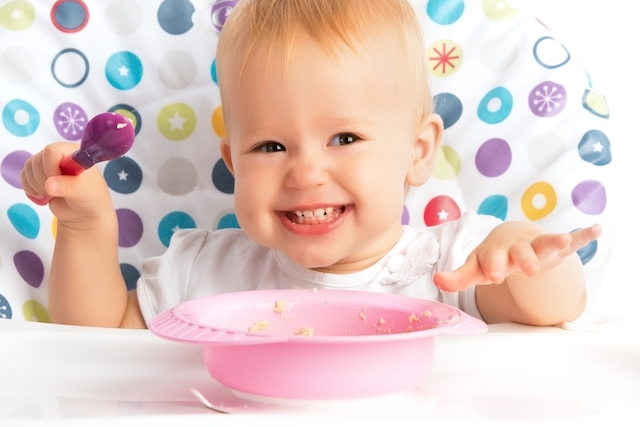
261, 325
413, 318
304, 331
280, 306
381, 321
314, 290
427, 314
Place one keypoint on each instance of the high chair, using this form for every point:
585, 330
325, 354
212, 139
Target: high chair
526, 135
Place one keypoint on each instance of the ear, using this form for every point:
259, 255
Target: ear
225, 152
425, 150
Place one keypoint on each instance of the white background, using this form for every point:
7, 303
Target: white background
604, 36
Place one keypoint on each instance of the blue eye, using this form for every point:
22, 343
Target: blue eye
270, 147
343, 139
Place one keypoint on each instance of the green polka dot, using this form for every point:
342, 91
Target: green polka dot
33, 311
17, 15
177, 121
447, 164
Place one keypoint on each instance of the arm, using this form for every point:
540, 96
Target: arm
85, 285
531, 277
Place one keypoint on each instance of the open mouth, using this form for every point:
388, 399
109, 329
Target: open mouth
316, 216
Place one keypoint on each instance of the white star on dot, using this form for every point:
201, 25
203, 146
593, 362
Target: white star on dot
443, 215
597, 147
16, 14
122, 176
176, 122
124, 71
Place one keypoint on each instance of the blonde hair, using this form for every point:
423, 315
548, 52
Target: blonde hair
272, 27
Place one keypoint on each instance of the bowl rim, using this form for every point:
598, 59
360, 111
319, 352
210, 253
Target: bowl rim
176, 324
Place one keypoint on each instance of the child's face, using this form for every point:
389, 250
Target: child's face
321, 154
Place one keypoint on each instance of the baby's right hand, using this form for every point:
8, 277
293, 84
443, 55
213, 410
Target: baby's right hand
74, 199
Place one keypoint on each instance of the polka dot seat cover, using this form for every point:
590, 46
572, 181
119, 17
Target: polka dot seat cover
526, 135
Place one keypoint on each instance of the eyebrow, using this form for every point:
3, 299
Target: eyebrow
345, 121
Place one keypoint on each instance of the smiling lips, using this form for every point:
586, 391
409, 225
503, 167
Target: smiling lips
316, 216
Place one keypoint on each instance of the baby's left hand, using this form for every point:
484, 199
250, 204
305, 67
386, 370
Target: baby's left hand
518, 248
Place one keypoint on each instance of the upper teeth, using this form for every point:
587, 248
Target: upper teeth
317, 212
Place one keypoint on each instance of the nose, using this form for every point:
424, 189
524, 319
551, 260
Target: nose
306, 170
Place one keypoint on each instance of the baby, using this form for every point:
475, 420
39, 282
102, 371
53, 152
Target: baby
319, 97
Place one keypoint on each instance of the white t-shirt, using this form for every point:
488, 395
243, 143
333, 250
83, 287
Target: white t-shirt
203, 262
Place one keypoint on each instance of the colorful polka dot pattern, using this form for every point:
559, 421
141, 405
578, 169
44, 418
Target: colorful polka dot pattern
528, 146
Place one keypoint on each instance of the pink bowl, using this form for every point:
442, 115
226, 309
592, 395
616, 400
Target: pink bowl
363, 344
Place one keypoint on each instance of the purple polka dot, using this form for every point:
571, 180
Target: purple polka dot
590, 197
70, 121
129, 228
12, 165
493, 157
406, 217
547, 99
29, 267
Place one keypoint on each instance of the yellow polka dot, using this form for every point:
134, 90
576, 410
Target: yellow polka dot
129, 115
33, 311
447, 164
596, 103
217, 122
444, 57
498, 10
54, 227
539, 190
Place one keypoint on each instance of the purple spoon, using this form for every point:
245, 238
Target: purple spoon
107, 136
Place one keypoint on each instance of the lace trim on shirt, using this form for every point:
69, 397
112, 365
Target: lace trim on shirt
418, 259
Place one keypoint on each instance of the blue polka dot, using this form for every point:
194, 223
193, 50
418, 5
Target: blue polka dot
123, 175
173, 222
449, 107
124, 70
495, 205
5, 308
222, 178
498, 97
588, 251
445, 12
595, 148
174, 16
24, 219
69, 16
228, 221
20, 118
66, 81
214, 72
130, 274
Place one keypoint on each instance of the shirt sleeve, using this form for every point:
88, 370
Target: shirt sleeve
457, 240
164, 280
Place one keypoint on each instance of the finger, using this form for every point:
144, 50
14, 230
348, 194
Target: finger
580, 238
29, 178
547, 245
495, 264
524, 258
467, 275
